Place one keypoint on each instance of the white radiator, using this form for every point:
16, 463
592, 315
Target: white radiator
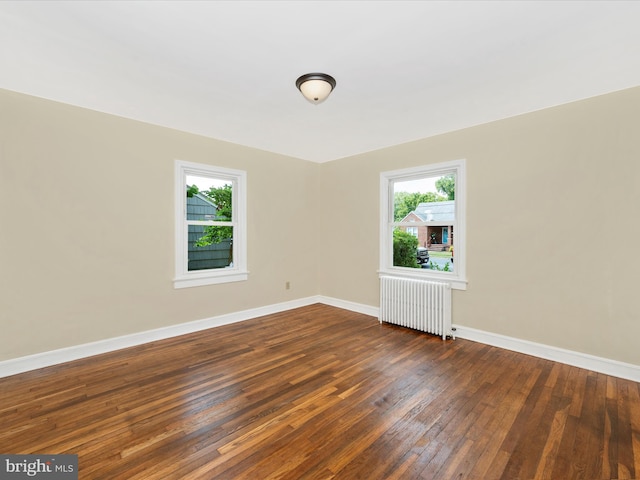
416, 304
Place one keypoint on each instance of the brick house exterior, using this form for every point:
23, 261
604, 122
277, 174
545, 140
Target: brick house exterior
435, 238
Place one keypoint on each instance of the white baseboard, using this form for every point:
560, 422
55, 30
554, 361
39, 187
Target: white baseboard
76, 352
569, 357
347, 305
577, 359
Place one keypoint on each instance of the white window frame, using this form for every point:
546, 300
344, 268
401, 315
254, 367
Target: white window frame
238, 271
457, 279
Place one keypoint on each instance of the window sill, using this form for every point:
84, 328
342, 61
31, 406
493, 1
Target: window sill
455, 282
199, 279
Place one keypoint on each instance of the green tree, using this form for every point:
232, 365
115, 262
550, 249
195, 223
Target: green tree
404, 249
447, 186
192, 190
404, 202
221, 198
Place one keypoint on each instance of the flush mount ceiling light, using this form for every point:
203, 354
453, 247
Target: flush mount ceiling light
316, 87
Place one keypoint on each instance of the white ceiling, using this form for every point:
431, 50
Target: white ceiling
404, 70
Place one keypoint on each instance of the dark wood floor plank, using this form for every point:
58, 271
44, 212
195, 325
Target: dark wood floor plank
323, 393
633, 407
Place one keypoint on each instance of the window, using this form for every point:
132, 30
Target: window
422, 229
211, 245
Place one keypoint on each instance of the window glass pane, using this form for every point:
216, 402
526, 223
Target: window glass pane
210, 247
424, 200
209, 198
407, 252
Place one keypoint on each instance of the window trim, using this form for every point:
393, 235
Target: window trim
457, 279
238, 272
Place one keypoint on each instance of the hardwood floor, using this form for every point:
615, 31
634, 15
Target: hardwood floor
320, 393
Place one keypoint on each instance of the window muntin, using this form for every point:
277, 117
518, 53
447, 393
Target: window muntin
210, 225
428, 200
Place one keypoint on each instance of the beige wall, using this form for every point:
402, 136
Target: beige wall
87, 240
86, 211
553, 224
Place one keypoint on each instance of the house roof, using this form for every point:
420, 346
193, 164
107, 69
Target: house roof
405, 70
436, 211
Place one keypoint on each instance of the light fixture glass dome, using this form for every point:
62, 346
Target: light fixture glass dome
316, 87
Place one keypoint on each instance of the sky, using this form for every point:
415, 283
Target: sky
422, 185
205, 183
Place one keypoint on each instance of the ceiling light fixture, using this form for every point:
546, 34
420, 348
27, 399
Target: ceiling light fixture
316, 87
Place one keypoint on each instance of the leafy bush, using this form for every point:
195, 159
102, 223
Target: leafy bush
404, 249
434, 266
